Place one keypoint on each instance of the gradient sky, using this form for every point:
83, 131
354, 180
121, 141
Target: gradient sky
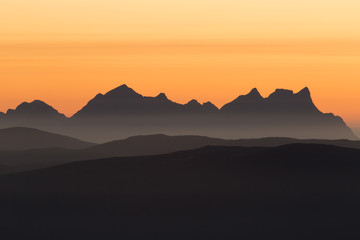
66, 51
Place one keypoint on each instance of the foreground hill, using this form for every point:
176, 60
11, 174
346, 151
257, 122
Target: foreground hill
21, 138
298, 191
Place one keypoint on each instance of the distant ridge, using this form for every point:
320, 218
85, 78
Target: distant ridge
161, 143
43, 156
21, 138
123, 112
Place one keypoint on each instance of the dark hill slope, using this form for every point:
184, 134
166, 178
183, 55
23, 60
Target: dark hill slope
160, 144
295, 191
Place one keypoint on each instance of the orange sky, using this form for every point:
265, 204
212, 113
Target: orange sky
66, 51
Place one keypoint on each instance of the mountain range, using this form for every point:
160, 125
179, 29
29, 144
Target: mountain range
122, 112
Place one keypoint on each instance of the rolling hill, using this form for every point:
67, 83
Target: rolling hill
24, 160
298, 191
21, 138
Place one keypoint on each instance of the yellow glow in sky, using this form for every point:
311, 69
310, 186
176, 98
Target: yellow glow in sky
179, 19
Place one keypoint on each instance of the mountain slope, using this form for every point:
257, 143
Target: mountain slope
21, 138
252, 102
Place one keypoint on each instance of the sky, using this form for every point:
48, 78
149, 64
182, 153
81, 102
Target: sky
66, 51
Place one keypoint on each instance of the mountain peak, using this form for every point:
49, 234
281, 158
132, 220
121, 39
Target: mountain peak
254, 92
210, 106
162, 96
304, 92
197, 107
252, 96
193, 102
279, 93
123, 91
34, 108
193, 105
123, 87
40, 103
34, 105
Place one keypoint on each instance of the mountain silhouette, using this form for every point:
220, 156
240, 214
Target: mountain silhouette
21, 138
282, 114
36, 114
34, 109
124, 100
122, 112
252, 102
194, 106
297, 191
281, 101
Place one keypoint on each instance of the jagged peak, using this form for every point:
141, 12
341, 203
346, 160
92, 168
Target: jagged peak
252, 96
305, 92
122, 90
210, 105
193, 102
38, 103
162, 96
254, 92
34, 107
123, 86
280, 92
283, 91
